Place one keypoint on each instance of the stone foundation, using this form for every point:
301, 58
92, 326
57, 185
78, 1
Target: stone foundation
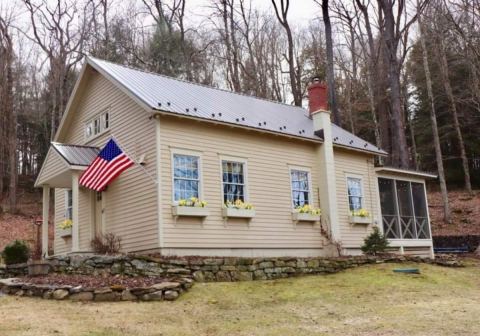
204, 269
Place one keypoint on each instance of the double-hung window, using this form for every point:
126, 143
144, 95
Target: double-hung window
233, 181
301, 194
68, 204
186, 176
355, 193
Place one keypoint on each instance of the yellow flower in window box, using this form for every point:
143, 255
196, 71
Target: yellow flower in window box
66, 224
360, 216
360, 213
192, 202
306, 213
308, 209
239, 204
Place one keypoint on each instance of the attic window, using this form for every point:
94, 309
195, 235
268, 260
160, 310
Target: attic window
97, 125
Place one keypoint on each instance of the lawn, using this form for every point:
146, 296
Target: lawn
370, 300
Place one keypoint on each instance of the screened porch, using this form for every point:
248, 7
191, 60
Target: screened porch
404, 209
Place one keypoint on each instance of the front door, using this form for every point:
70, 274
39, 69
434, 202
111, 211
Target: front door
98, 230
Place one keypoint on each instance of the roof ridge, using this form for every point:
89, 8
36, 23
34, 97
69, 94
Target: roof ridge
194, 83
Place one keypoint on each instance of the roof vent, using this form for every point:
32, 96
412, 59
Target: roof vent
187, 109
159, 104
168, 103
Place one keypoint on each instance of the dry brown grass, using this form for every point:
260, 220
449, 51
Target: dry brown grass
365, 301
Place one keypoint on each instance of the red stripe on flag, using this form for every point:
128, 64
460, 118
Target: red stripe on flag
115, 174
112, 166
97, 171
86, 174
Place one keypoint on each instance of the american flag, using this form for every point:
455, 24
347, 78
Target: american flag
109, 163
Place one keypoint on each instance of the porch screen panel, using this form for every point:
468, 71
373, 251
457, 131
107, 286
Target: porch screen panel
420, 209
389, 209
407, 220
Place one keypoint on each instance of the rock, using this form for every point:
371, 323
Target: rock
213, 261
223, 276
82, 296
301, 264
103, 290
166, 285
178, 262
242, 276
178, 271
48, 295
187, 283
170, 295
259, 275
107, 296
228, 268
209, 276
75, 290
11, 282
128, 296
117, 288
117, 268
20, 292
139, 291
60, 294
155, 296
265, 264
139, 264
199, 276
313, 263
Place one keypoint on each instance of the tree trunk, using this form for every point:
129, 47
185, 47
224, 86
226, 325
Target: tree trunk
399, 146
433, 118
456, 123
332, 98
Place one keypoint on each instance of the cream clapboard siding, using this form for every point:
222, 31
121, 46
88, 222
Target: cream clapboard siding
130, 201
268, 160
54, 166
60, 245
348, 162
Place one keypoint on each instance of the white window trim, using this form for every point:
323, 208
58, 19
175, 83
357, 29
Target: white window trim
103, 130
66, 204
360, 177
310, 192
181, 151
243, 161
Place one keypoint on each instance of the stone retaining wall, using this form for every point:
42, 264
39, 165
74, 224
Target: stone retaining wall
204, 269
161, 291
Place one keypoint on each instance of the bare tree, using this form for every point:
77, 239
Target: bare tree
7, 106
332, 96
433, 118
61, 33
295, 83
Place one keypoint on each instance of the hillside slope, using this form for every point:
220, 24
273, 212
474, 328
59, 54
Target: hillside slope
465, 213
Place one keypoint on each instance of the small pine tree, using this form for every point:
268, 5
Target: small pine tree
375, 243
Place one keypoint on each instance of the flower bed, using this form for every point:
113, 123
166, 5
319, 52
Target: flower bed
93, 288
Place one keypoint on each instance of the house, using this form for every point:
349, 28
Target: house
191, 140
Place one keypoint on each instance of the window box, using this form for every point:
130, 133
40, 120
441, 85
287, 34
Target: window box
189, 211
305, 217
64, 233
360, 220
238, 213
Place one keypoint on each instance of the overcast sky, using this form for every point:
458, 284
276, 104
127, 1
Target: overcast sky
299, 10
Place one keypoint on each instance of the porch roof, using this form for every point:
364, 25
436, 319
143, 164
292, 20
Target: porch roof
409, 172
60, 161
76, 155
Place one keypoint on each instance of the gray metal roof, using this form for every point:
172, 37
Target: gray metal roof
76, 155
189, 99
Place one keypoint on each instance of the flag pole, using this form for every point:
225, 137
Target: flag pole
131, 158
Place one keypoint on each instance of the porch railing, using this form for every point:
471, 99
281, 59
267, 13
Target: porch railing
405, 227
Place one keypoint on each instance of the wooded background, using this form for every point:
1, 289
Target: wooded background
401, 74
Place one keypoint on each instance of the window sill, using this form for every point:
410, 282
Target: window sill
65, 233
304, 217
360, 220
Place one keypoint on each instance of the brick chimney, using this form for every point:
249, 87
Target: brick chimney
317, 96
320, 115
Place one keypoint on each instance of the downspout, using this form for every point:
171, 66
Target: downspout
158, 163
